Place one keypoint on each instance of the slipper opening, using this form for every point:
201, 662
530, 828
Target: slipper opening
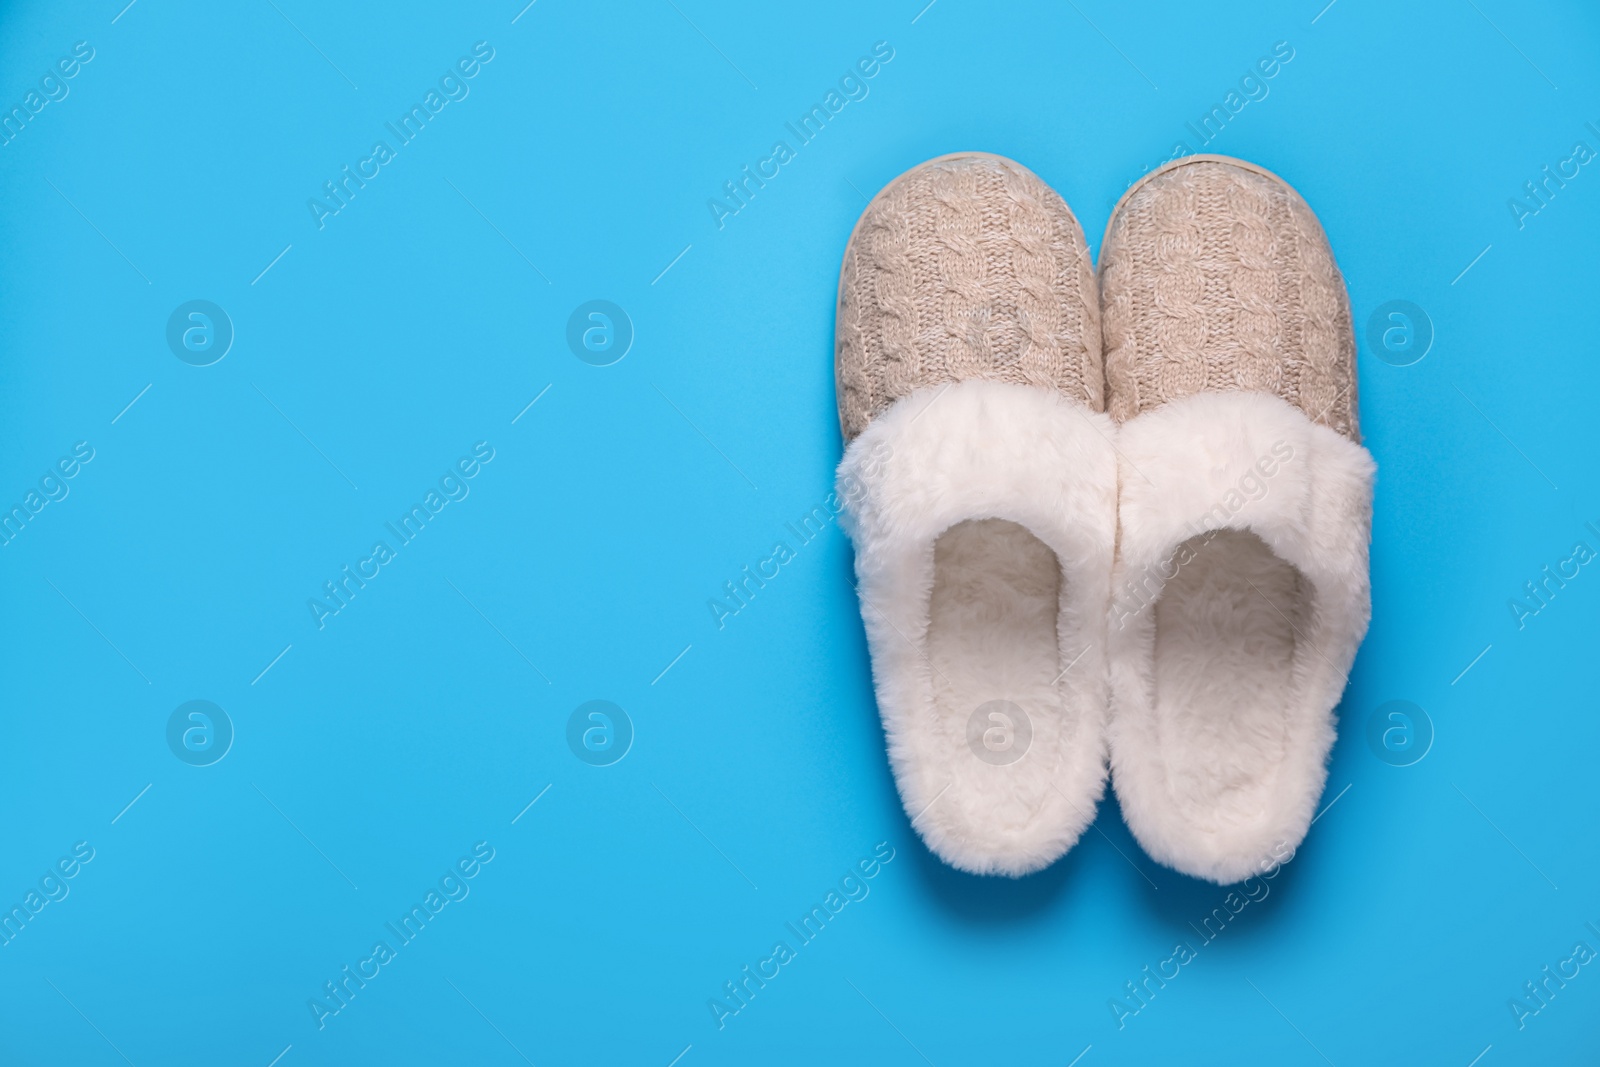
994, 652
1226, 630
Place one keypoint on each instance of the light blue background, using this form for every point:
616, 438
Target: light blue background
379, 749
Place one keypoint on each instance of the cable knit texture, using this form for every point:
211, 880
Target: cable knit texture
965, 267
1217, 277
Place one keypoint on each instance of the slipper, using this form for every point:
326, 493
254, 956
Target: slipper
1241, 589
979, 489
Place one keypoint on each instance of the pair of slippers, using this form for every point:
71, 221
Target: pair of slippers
1120, 518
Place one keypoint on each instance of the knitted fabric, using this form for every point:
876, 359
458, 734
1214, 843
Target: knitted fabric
965, 267
1217, 277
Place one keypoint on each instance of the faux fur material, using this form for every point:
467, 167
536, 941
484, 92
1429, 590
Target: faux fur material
1240, 596
984, 520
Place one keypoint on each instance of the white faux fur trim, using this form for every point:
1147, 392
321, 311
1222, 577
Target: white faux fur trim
950, 457
1226, 664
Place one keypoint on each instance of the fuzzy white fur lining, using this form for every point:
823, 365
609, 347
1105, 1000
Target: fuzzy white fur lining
984, 520
1240, 596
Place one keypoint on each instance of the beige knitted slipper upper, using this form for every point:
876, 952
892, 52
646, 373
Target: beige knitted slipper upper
1215, 275
1241, 589
967, 266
